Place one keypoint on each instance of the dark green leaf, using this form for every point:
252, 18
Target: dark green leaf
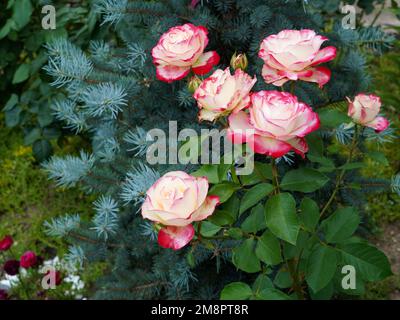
11, 102
33, 135
254, 196
378, 157
244, 257
332, 118
236, 291
208, 170
309, 213
268, 249
209, 229
321, 267
261, 172
221, 218
22, 13
303, 180
352, 166
281, 219
13, 116
255, 221
272, 294
340, 225
283, 279
42, 149
224, 191
371, 263
21, 74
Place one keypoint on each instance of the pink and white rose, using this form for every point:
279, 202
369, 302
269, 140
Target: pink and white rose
176, 200
364, 110
223, 93
180, 50
276, 124
295, 55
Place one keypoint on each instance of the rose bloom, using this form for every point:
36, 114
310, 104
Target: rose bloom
364, 110
6, 243
11, 267
180, 50
223, 93
28, 259
176, 200
277, 123
294, 55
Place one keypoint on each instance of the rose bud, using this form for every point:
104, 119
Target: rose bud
180, 50
239, 61
364, 110
11, 267
6, 243
276, 124
176, 200
295, 55
194, 83
28, 260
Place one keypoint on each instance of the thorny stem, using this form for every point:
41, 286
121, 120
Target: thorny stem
275, 175
295, 277
342, 172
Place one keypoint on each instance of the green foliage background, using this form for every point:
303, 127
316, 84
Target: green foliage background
23, 85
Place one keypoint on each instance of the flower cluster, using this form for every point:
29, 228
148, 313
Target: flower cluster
28, 260
272, 123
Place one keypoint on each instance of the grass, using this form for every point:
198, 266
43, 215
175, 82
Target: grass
28, 198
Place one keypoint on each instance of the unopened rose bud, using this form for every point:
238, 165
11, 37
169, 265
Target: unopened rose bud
194, 83
239, 61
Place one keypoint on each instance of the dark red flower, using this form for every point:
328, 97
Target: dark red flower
3, 295
28, 259
11, 267
6, 243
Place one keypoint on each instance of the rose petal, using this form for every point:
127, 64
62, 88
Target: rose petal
171, 73
299, 145
325, 55
205, 63
207, 208
269, 146
320, 75
175, 237
240, 128
271, 75
379, 124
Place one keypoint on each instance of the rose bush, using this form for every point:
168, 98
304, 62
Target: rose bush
283, 231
